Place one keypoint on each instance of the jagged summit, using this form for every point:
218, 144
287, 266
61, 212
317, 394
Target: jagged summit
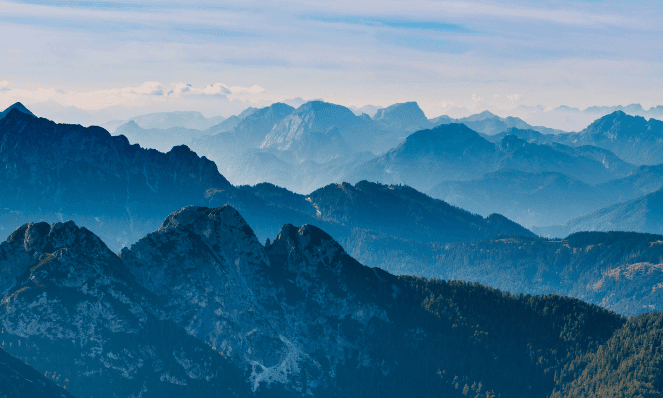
40, 238
222, 230
19, 107
198, 219
307, 238
38, 241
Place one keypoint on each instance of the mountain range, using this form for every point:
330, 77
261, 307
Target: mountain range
173, 282
121, 191
57, 172
453, 152
199, 308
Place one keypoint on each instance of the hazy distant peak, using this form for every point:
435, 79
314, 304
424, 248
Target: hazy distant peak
130, 124
247, 112
317, 106
481, 116
405, 109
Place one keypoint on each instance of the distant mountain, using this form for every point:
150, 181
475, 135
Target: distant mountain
167, 120
632, 109
455, 152
76, 115
19, 107
530, 199
315, 143
160, 139
490, 124
201, 308
544, 198
447, 152
230, 123
632, 138
406, 118
531, 136
643, 214
370, 110
315, 131
21, 380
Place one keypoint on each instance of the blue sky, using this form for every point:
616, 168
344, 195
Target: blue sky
222, 56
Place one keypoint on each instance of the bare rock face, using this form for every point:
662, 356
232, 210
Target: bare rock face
275, 311
76, 314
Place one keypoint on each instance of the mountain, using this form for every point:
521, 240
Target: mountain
403, 212
490, 124
312, 145
632, 109
55, 172
19, 107
446, 152
529, 135
530, 199
160, 139
643, 214
370, 110
545, 198
406, 118
316, 131
249, 133
230, 123
455, 152
632, 138
608, 159
166, 120
75, 312
21, 380
200, 308
59, 171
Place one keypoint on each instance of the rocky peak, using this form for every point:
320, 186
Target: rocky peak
31, 242
304, 246
18, 107
222, 228
40, 238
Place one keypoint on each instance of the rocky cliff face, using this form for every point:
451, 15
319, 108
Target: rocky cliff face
272, 310
77, 315
200, 308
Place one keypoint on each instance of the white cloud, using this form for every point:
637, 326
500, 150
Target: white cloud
476, 98
514, 97
132, 96
147, 88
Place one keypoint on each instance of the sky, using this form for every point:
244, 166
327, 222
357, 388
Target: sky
220, 57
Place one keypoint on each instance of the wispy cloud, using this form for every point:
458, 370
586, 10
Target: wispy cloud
432, 51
